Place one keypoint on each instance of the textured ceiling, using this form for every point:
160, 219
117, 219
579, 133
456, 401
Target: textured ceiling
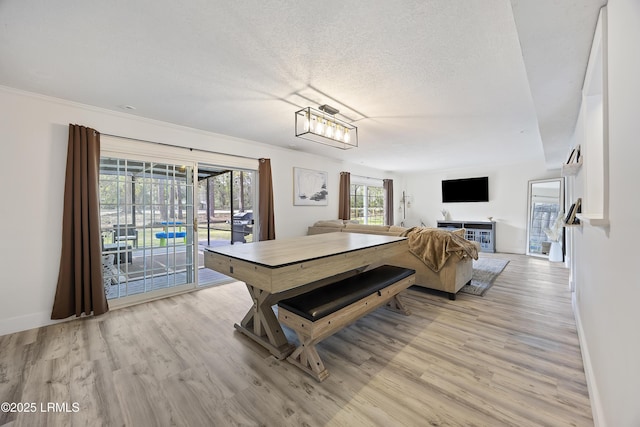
432, 84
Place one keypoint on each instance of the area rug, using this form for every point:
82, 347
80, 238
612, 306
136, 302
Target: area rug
485, 271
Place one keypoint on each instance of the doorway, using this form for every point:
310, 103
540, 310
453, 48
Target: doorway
226, 212
545, 202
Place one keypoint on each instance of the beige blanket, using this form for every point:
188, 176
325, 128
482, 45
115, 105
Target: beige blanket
434, 246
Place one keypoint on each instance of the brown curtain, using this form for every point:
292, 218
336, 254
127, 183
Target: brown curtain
80, 288
265, 200
344, 202
387, 184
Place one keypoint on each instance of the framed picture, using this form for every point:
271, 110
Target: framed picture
309, 188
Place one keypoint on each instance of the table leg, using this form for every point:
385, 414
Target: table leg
261, 325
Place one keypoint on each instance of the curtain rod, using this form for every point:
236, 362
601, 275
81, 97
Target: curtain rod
367, 177
174, 146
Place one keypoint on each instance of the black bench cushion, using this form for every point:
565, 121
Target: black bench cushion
328, 299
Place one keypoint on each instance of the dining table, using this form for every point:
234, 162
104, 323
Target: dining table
274, 270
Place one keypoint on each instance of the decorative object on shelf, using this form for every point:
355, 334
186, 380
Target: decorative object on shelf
323, 127
571, 218
574, 162
309, 187
444, 214
575, 156
490, 218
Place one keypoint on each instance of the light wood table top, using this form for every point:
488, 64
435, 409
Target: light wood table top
284, 252
280, 265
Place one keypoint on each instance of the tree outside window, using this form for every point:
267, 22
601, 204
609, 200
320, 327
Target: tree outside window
367, 204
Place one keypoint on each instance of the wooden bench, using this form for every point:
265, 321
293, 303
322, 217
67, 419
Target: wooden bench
322, 312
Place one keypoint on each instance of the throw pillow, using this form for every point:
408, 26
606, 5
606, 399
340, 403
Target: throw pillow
110, 272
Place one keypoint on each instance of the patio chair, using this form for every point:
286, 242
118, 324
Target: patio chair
124, 233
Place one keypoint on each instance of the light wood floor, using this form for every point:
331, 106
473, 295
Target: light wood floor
510, 358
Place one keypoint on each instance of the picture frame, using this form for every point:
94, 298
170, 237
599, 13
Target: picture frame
310, 187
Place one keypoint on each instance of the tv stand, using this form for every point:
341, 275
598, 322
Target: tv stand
483, 232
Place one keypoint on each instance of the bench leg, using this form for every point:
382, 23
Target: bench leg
395, 304
306, 357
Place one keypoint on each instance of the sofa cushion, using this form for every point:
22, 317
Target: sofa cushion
396, 229
366, 228
330, 223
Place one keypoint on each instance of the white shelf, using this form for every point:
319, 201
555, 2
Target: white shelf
572, 225
594, 220
571, 169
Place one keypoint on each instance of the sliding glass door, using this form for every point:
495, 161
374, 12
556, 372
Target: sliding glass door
154, 235
146, 214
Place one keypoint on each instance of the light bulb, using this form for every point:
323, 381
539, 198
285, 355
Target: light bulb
346, 136
320, 126
338, 133
306, 122
313, 123
330, 130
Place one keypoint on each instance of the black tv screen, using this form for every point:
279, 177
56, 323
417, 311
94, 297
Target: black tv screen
465, 190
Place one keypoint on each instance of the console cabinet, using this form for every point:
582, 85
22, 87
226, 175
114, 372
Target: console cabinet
483, 232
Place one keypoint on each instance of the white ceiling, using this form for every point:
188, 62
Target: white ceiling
435, 84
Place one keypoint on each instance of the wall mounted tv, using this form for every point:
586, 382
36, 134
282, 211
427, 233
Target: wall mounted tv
465, 190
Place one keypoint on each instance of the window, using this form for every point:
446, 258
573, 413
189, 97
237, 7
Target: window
146, 216
367, 204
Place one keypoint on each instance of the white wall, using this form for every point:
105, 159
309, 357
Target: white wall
606, 277
34, 134
508, 187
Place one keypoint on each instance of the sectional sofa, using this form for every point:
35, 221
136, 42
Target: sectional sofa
455, 273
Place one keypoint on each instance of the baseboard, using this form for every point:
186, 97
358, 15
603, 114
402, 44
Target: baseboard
29, 321
594, 395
